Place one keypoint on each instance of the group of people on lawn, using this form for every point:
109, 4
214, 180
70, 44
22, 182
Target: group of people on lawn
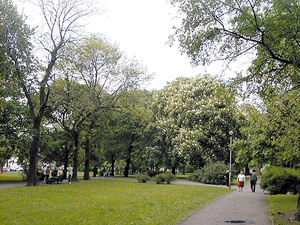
241, 180
46, 173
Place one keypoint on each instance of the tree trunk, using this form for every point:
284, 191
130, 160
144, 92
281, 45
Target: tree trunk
66, 160
126, 170
75, 158
32, 179
113, 160
128, 161
86, 175
174, 170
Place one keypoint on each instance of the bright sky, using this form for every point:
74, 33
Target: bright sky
141, 29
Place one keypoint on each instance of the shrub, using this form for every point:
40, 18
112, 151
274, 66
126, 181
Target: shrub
169, 177
162, 178
280, 180
159, 179
212, 173
196, 176
143, 178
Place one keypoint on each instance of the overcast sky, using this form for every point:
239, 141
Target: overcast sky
141, 29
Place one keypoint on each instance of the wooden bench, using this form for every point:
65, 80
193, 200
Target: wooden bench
57, 179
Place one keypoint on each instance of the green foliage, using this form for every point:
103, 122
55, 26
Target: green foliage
159, 179
153, 173
212, 173
271, 136
104, 202
143, 178
164, 178
192, 118
213, 29
280, 180
169, 177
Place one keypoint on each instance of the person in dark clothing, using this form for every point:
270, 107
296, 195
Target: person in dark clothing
253, 180
226, 176
95, 171
54, 172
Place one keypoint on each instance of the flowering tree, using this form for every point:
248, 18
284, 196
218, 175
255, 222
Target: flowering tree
192, 119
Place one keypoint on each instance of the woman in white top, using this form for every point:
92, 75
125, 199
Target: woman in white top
241, 181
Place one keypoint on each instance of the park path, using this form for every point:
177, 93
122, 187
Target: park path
235, 208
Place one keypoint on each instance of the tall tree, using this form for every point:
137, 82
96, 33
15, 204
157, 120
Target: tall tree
106, 74
61, 19
219, 29
192, 120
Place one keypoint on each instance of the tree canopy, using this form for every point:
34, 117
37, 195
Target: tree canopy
219, 29
192, 119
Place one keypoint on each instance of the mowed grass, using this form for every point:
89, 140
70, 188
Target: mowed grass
104, 202
282, 207
11, 176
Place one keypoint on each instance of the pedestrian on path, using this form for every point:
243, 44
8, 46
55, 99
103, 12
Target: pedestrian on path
253, 179
226, 176
241, 181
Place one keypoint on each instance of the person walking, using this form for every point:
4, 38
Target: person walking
253, 179
226, 176
241, 181
69, 173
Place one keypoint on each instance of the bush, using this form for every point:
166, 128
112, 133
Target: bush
212, 173
169, 177
143, 178
162, 178
280, 180
196, 176
159, 179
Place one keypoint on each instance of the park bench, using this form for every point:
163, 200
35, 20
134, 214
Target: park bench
57, 179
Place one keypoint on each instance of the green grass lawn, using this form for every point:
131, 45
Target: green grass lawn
10, 176
103, 202
282, 207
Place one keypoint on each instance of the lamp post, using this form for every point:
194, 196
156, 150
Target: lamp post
230, 138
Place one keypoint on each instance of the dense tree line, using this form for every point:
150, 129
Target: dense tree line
86, 107
85, 104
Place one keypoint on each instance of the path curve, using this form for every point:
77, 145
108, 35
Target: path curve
235, 208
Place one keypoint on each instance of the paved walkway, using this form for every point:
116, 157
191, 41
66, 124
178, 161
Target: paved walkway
234, 208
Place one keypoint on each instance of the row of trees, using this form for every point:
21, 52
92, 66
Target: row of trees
84, 103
